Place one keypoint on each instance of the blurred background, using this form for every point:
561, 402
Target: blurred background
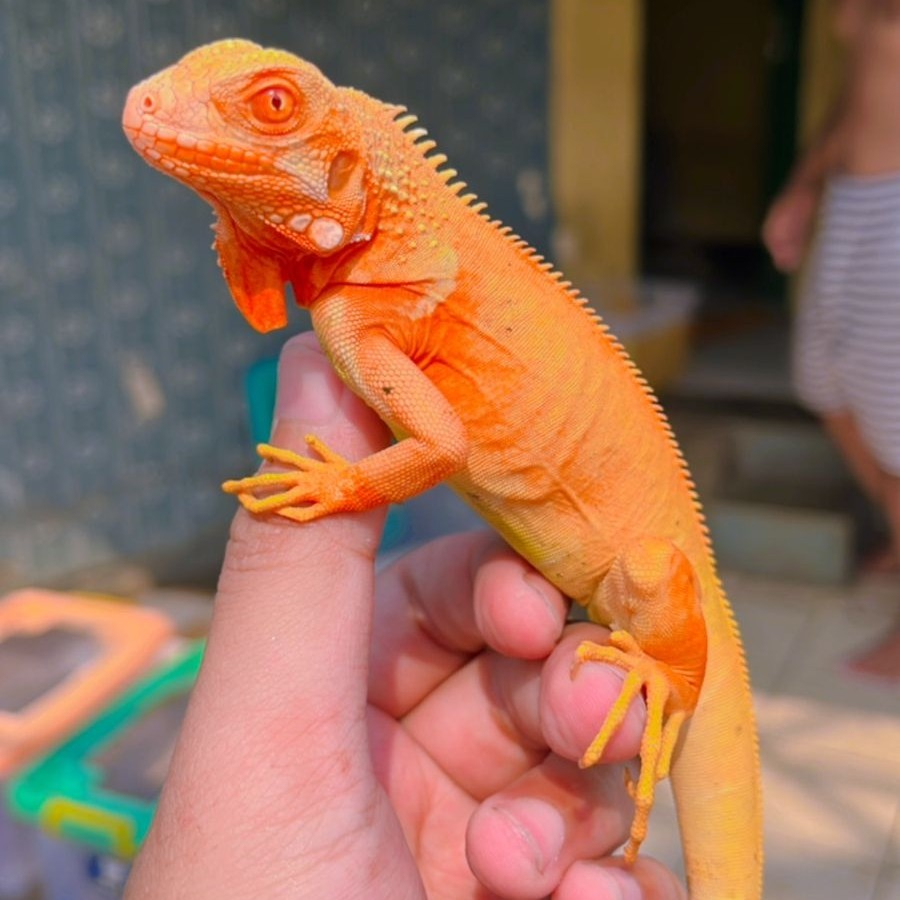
123, 356
637, 144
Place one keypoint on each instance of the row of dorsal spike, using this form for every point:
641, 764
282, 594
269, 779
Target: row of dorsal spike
419, 139
417, 135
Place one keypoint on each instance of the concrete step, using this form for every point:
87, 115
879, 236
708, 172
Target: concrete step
778, 499
816, 546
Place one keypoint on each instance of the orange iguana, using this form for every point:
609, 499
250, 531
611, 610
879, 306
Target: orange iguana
494, 376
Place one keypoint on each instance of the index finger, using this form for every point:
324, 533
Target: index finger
443, 602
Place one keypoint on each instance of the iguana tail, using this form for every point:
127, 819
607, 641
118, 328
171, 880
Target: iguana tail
716, 777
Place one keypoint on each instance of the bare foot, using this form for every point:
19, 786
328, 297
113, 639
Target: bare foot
881, 661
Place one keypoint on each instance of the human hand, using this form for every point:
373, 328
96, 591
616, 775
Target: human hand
788, 225
424, 751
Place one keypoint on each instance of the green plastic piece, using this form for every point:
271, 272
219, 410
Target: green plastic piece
260, 384
67, 793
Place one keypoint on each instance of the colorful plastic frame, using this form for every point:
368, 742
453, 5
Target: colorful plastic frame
65, 792
126, 639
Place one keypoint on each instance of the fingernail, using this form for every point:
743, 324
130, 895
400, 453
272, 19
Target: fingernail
539, 825
309, 391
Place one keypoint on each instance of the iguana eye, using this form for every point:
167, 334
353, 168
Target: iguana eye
273, 105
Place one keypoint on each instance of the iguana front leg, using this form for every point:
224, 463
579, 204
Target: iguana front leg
433, 446
651, 596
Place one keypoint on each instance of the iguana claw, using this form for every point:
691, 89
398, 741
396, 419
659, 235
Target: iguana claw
647, 675
300, 492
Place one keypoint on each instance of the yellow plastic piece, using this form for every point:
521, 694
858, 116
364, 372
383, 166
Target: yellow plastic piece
61, 812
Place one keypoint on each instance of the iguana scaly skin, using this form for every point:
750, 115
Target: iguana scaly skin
495, 377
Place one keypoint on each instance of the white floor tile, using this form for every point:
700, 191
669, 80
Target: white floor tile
817, 877
888, 887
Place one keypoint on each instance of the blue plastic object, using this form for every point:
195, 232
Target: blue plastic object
261, 384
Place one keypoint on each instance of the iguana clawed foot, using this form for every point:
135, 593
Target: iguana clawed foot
307, 490
647, 675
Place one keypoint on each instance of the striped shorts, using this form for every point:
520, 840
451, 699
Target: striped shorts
847, 335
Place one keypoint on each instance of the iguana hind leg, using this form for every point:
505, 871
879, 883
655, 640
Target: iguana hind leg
652, 595
647, 676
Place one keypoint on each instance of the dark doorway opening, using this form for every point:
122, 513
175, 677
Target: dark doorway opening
721, 86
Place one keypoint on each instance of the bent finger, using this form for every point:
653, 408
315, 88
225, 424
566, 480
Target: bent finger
611, 879
442, 602
575, 700
521, 842
496, 717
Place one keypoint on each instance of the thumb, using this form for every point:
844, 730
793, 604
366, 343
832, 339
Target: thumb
280, 701
290, 633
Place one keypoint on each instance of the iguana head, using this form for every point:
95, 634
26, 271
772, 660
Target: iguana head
267, 140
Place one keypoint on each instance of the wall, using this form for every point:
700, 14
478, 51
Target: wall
121, 355
596, 117
823, 68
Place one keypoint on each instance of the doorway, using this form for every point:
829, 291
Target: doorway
721, 87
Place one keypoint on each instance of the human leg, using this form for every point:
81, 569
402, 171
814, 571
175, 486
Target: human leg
844, 432
845, 368
882, 659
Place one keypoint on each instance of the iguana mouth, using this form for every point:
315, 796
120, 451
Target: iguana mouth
171, 149
165, 148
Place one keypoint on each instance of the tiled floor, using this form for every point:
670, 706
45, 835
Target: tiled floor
830, 742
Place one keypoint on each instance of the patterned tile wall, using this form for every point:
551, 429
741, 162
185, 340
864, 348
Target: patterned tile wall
121, 355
